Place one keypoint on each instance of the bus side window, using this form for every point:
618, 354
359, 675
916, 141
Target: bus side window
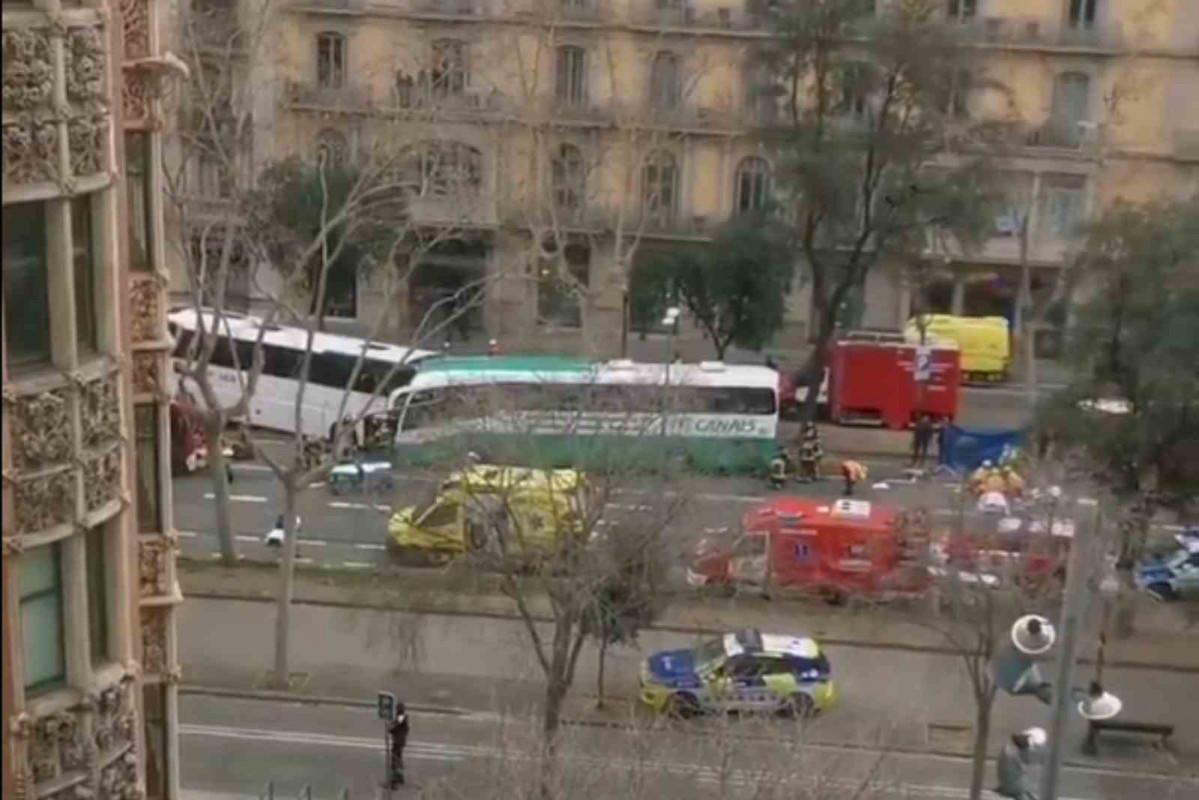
331, 369
184, 339
279, 362
245, 354
222, 355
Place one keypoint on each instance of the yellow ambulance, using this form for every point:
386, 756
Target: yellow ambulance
984, 343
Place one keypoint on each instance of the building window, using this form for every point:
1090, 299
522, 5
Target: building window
958, 95
41, 617
559, 296
450, 74
753, 185
97, 593
442, 168
341, 294
26, 290
1071, 105
664, 80
83, 259
853, 91
762, 92
1061, 205
212, 178
571, 87
961, 10
660, 187
137, 197
332, 149
145, 425
1082, 12
569, 180
330, 60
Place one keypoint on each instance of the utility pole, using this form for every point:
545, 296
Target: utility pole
1086, 534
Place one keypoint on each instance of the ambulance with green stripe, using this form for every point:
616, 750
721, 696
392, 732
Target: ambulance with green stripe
742, 671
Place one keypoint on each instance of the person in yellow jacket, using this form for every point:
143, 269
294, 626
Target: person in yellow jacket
979, 477
1015, 484
853, 472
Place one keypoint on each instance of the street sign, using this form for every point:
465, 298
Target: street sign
387, 706
924, 357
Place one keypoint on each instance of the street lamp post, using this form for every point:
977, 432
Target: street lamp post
670, 321
1077, 579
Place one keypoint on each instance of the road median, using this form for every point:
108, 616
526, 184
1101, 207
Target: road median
1161, 642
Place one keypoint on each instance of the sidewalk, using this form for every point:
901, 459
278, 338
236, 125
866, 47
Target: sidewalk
1165, 638
899, 701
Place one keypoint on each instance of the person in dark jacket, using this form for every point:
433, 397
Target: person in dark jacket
922, 434
398, 730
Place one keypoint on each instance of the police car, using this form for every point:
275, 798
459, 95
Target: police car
742, 671
1173, 576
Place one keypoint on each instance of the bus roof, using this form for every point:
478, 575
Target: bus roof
440, 372
502, 364
245, 327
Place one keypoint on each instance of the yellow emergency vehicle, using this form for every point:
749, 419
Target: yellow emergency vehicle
983, 342
509, 510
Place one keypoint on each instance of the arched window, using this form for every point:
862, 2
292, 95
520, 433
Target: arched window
571, 83
569, 179
450, 72
443, 168
330, 60
753, 185
332, 148
660, 180
664, 80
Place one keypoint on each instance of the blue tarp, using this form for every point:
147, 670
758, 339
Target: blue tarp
966, 448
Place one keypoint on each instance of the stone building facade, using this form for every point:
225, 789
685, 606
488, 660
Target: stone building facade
525, 92
89, 667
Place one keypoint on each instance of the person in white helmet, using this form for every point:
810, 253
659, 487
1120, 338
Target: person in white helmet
1016, 766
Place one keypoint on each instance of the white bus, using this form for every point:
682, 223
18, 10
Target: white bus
273, 404
552, 411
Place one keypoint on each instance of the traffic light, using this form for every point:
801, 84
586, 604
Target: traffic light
386, 706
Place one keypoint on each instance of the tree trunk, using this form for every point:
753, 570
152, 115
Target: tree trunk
599, 680
279, 679
982, 729
218, 469
1030, 368
551, 721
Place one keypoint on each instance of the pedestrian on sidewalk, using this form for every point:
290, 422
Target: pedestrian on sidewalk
922, 434
1015, 766
398, 730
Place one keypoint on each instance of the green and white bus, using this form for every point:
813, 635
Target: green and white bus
564, 412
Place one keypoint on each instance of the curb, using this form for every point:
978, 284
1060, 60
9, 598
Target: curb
681, 629
199, 690
454, 711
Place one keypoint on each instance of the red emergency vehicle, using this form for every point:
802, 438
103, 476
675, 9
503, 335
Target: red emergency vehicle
815, 546
893, 382
1021, 548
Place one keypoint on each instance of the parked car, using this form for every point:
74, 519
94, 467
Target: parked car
742, 671
1174, 575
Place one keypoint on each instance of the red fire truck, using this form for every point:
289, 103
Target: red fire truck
893, 382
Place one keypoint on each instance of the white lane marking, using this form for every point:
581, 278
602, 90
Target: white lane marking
246, 538
439, 751
316, 485
357, 564
303, 560
312, 542
366, 546
372, 506
186, 534
239, 498
253, 468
